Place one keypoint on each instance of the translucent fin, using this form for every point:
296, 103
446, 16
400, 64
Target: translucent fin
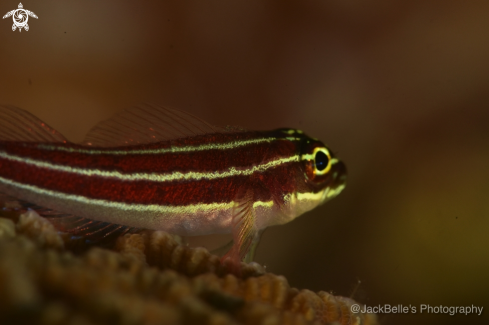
92, 230
244, 229
19, 125
250, 256
147, 124
234, 128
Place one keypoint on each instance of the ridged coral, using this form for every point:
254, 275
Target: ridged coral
147, 278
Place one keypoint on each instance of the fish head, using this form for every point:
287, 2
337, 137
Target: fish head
318, 177
324, 173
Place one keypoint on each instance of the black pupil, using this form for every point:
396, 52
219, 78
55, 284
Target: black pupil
321, 160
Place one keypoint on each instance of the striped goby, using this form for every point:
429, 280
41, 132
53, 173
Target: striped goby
159, 168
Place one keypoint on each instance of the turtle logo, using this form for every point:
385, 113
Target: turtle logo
20, 16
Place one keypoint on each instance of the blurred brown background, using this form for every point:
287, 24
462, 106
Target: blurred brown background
400, 89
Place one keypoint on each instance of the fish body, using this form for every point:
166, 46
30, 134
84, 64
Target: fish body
173, 172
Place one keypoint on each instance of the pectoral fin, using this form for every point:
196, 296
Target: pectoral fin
244, 230
254, 244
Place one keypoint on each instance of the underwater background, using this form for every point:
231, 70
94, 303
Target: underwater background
399, 91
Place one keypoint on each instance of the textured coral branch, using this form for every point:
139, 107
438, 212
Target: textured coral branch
148, 278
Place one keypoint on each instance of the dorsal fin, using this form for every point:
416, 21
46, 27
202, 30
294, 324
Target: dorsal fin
147, 124
19, 125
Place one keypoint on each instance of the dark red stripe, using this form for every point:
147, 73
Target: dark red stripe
272, 183
203, 161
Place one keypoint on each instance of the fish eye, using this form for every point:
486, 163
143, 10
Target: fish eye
322, 161
316, 159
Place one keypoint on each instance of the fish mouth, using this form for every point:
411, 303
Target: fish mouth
338, 180
339, 174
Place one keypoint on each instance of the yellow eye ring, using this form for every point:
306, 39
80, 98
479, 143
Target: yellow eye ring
322, 161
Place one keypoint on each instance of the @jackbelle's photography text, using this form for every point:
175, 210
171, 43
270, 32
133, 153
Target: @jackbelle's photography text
421, 309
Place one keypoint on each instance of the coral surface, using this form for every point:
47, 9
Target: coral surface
147, 278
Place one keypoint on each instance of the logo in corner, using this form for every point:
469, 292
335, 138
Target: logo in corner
20, 16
